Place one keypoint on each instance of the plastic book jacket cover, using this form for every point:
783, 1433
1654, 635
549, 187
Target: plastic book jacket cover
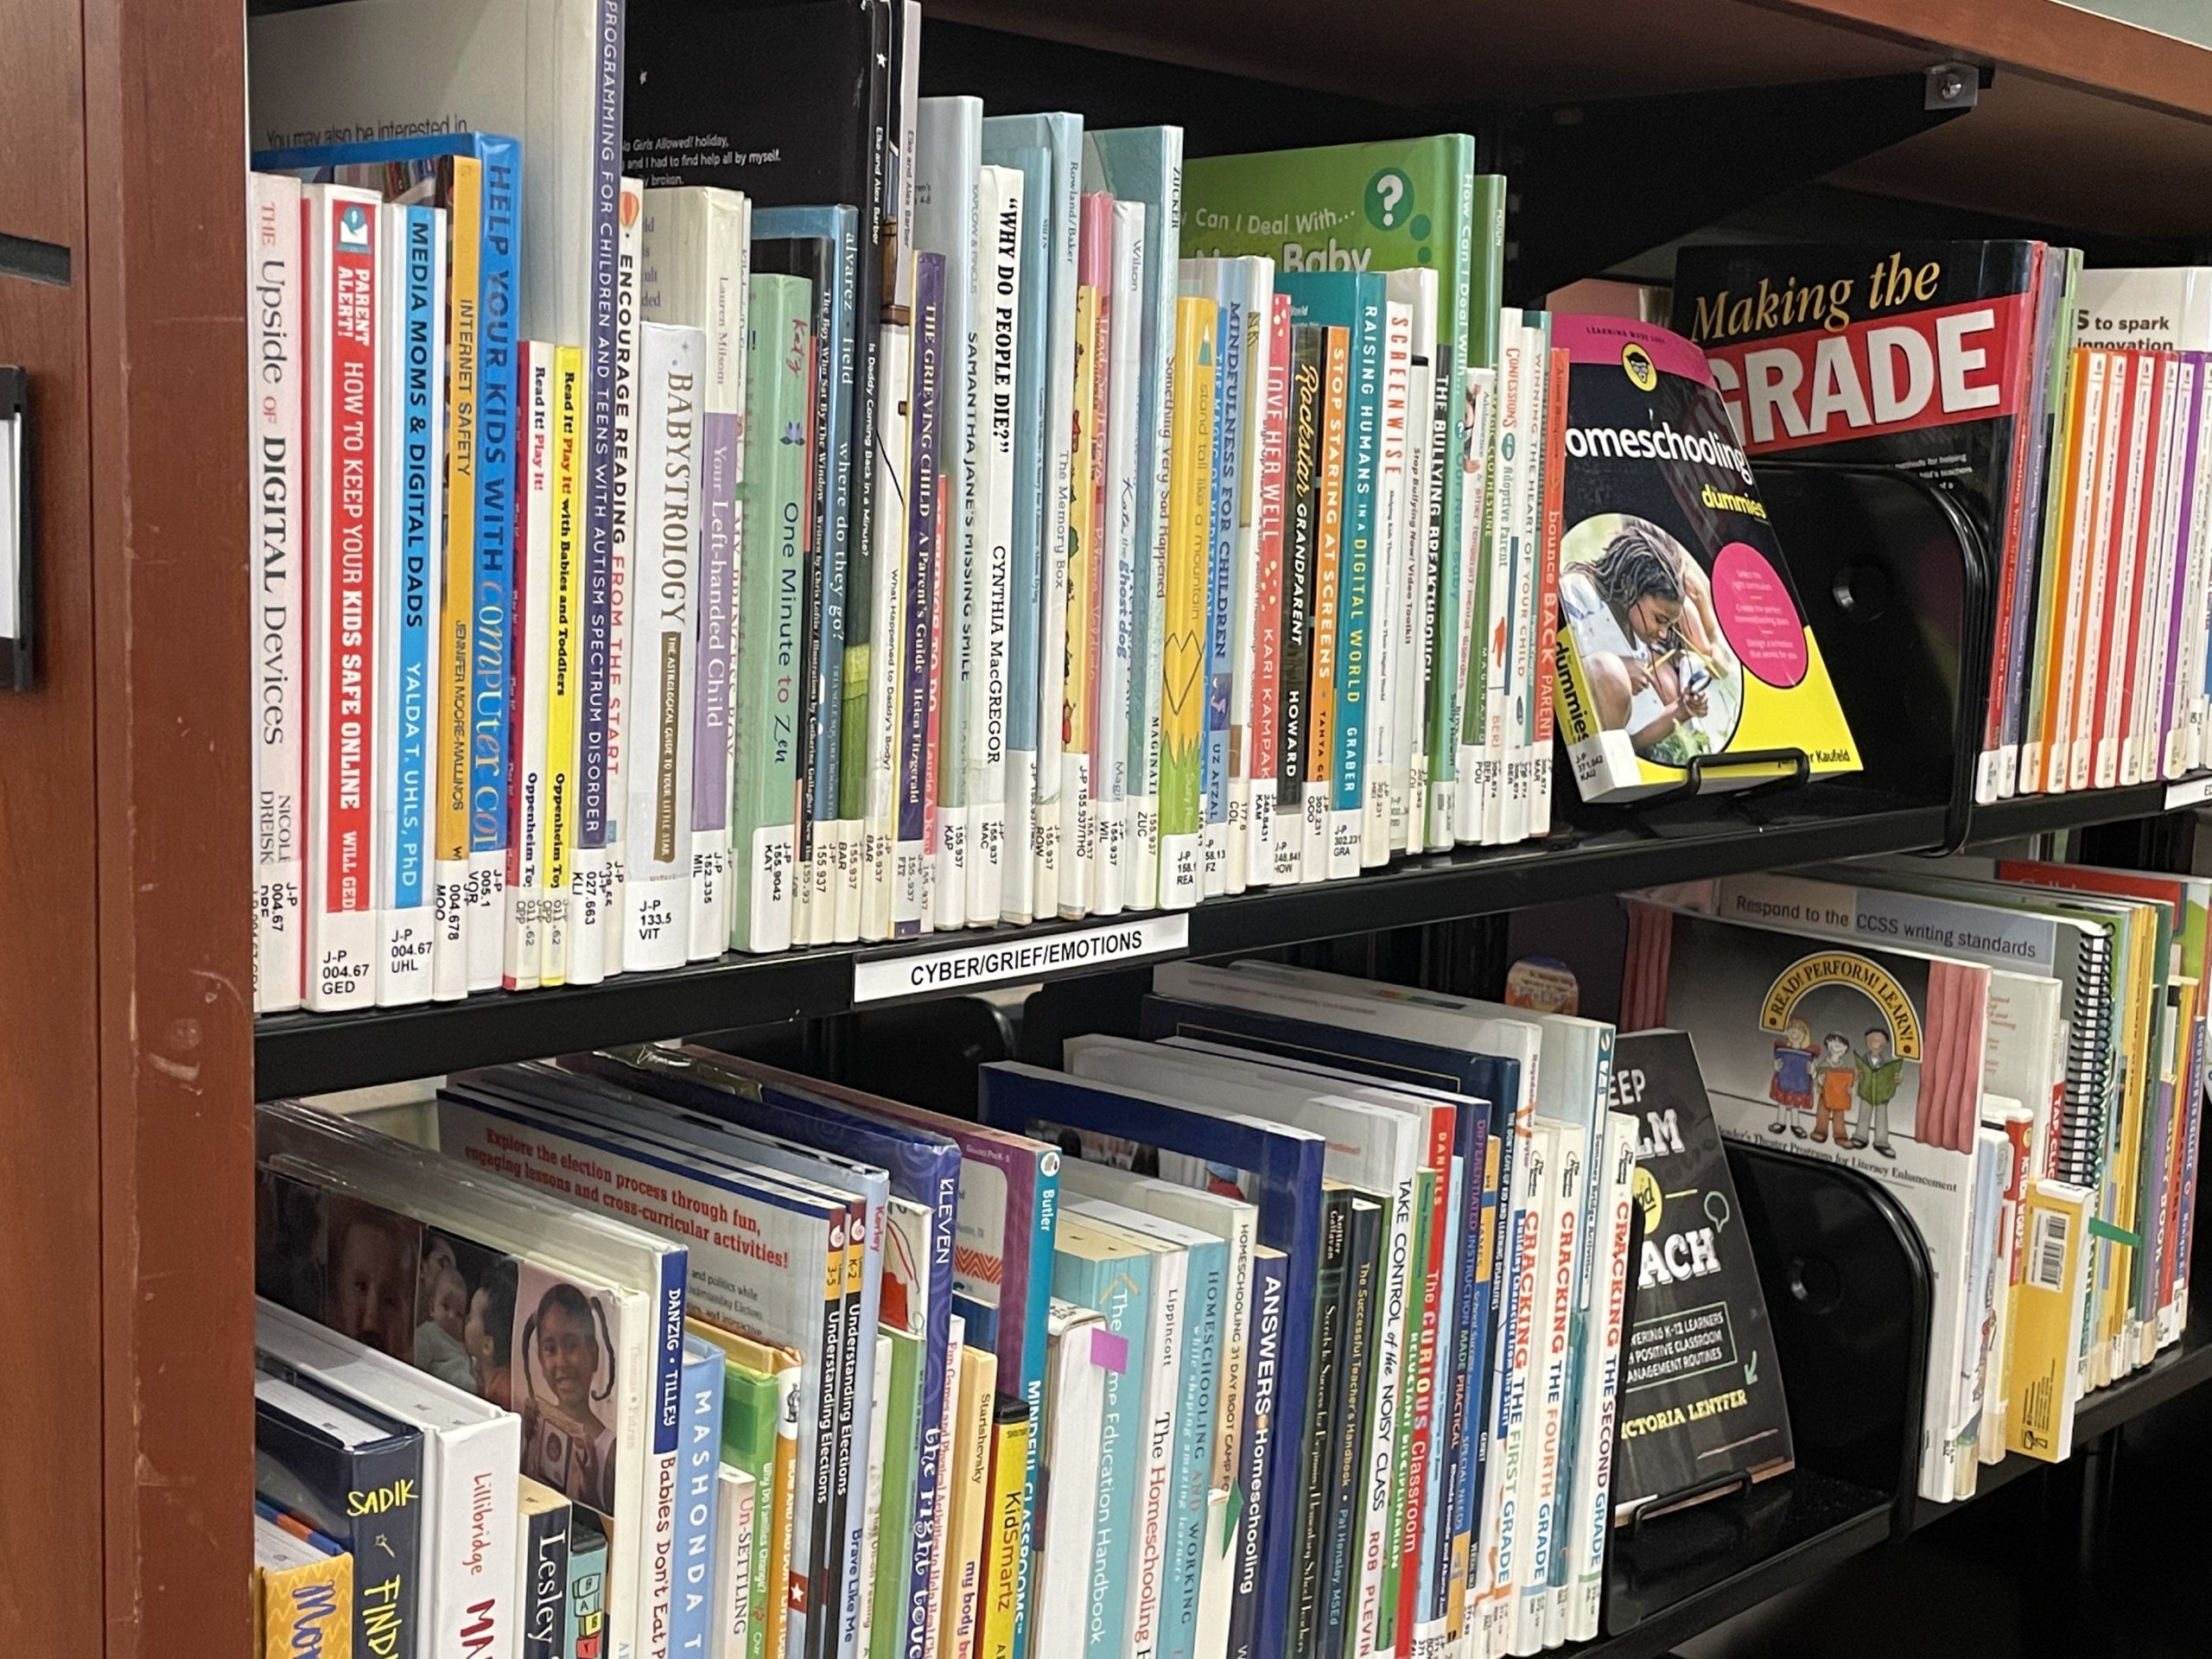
1681, 636
1701, 1388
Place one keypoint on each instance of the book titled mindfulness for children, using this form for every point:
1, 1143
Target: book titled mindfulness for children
1681, 635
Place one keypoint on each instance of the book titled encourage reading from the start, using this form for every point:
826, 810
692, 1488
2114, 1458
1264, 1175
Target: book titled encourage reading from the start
1681, 635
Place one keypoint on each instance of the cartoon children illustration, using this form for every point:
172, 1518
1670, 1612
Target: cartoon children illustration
1879, 1073
1832, 1075
565, 1443
1791, 1087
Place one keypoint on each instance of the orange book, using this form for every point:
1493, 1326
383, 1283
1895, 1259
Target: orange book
2126, 406
2042, 762
1328, 545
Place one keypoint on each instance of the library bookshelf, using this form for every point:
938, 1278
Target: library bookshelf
128, 1051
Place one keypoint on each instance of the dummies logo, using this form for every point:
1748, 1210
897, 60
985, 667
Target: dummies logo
1643, 374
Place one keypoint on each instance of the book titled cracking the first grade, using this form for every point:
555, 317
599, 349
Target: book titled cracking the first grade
1682, 638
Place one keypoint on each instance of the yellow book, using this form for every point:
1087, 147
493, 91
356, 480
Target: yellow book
455, 663
2044, 1318
564, 656
303, 1594
1087, 470
1010, 1432
967, 1498
2122, 1161
1183, 676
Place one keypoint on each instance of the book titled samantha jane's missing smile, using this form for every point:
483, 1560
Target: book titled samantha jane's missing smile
1680, 632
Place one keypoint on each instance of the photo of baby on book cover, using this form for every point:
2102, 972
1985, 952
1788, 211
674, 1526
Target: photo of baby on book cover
1681, 636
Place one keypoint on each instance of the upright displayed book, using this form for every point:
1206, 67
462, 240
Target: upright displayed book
1681, 636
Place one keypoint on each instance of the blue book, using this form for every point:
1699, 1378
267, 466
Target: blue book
1099, 1268
1146, 164
1196, 1414
483, 462
419, 400
585, 1626
355, 1475
1256, 1458
1275, 1167
922, 1166
698, 1471
776, 233
1352, 300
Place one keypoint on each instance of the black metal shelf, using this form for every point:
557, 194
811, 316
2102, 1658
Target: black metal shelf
2036, 814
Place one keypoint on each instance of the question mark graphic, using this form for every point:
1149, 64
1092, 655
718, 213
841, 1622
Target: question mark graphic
1392, 189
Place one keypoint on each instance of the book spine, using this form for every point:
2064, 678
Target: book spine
1509, 463
878, 1432
896, 1557
1502, 1539
2088, 622
1392, 482
1416, 610
999, 268
302, 1609
1025, 578
777, 1635
724, 384
2126, 592
1269, 683
1354, 590
1324, 715
280, 591
1028, 1287
2157, 657
1401, 1538
1163, 241
1521, 672
829, 853
1326, 1392
698, 1466
1456, 801
1006, 1522
1072, 711
2085, 432
1060, 483
1422, 1596
414, 290
1256, 1453
776, 518
1553, 1317
1231, 340
663, 636
2197, 631
1547, 618
1197, 1418
1592, 1517
526, 872
1117, 586
737, 1512
455, 605
622, 543
1347, 1459
342, 227
2169, 730
492, 642
889, 603
563, 666
1255, 277
1455, 437
1183, 663
542, 1556
1479, 1343
1302, 466
924, 543
856, 1425
963, 1601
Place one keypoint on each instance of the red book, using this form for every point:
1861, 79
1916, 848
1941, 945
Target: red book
1266, 632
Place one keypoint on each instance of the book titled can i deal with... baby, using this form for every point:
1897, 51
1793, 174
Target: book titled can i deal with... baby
1681, 635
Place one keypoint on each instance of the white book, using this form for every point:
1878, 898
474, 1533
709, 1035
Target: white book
948, 160
525, 882
2125, 387
410, 536
2095, 438
1271, 521
472, 1452
280, 591
2186, 750
1075, 1413
1508, 465
1385, 664
1505, 1539
2126, 573
889, 601
999, 210
736, 1518
1512, 823
1257, 279
2143, 745
1546, 1466
1586, 1530
878, 1428
341, 234
1109, 723
1066, 210
672, 376
955, 1340
622, 584
694, 257
1418, 585
1452, 803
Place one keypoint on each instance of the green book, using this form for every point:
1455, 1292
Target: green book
749, 1412
1385, 206
775, 507
902, 1442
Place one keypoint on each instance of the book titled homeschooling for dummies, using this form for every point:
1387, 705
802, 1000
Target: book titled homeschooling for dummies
1681, 635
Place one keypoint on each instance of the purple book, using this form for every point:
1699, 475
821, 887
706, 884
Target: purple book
599, 427
924, 529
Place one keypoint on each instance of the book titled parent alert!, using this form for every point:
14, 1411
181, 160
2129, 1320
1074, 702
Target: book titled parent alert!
1681, 636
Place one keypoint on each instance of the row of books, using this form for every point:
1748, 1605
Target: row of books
2068, 407
1267, 1335
2016, 1050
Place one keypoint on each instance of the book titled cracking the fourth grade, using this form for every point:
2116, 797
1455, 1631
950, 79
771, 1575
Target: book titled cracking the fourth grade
1681, 634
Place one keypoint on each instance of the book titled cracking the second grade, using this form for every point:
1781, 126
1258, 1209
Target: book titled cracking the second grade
1681, 640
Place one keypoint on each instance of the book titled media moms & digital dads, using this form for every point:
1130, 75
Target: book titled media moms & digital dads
1681, 637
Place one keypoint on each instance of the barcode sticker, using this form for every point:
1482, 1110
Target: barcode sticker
2054, 1232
